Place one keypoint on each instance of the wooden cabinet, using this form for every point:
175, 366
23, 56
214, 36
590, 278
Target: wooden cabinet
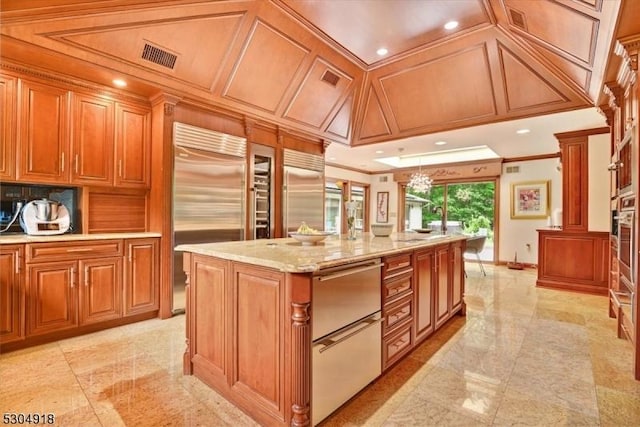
624, 94
73, 287
7, 127
100, 289
92, 145
111, 143
43, 136
442, 286
424, 292
12, 293
456, 257
52, 135
583, 265
72, 284
52, 298
141, 287
132, 146
397, 308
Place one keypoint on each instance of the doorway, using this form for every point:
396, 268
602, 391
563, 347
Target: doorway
461, 207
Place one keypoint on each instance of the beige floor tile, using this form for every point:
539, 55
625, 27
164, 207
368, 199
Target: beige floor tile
522, 356
517, 409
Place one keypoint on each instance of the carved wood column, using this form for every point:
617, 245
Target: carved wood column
299, 289
187, 365
161, 193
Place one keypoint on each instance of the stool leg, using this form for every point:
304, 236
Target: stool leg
480, 262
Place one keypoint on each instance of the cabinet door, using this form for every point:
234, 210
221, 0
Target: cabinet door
141, 288
457, 276
52, 299
43, 139
7, 128
443, 296
100, 289
133, 146
11, 293
92, 146
423, 294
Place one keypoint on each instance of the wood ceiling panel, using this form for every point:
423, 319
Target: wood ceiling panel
321, 90
374, 123
445, 90
558, 27
340, 125
524, 87
196, 63
580, 75
265, 69
363, 26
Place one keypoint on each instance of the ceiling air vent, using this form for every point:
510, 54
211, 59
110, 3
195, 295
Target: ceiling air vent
517, 18
384, 178
330, 78
158, 56
513, 169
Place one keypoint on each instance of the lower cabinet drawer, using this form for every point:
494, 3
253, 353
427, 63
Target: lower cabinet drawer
63, 251
397, 287
396, 345
397, 313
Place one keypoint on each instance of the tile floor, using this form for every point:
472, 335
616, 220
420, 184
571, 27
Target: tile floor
522, 356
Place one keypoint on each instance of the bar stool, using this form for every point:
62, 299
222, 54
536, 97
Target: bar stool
475, 245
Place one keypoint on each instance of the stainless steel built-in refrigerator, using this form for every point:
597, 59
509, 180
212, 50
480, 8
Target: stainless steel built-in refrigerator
208, 192
303, 197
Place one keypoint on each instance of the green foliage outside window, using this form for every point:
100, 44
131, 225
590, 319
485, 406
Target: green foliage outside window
472, 204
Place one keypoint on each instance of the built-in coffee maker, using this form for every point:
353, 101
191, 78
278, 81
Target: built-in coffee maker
38, 209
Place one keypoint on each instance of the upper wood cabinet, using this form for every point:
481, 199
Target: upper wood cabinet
92, 146
7, 127
43, 134
574, 152
60, 136
133, 146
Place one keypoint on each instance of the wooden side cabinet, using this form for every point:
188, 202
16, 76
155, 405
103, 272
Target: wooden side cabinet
423, 293
456, 258
141, 286
12, 293
442, 286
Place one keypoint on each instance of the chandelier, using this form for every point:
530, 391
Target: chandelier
420, 182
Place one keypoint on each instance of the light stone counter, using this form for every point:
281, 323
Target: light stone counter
15, 239
289, 255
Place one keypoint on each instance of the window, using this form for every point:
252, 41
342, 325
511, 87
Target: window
466, 207
336, 192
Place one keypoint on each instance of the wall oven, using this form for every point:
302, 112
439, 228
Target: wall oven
626, 237
346, 333
627, 258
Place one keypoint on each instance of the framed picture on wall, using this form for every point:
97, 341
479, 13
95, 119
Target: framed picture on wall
530, 200
382, 207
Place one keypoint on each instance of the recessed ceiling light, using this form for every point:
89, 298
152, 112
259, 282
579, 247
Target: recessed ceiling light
382, 51
379, 151
522, 131
440, 142
332, 158
119, 82
451, 25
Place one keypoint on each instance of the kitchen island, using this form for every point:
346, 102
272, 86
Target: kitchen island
253, 312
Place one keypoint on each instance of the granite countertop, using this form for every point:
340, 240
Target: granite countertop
289, 255
14, 239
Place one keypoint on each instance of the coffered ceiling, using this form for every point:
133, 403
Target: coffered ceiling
312, 65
